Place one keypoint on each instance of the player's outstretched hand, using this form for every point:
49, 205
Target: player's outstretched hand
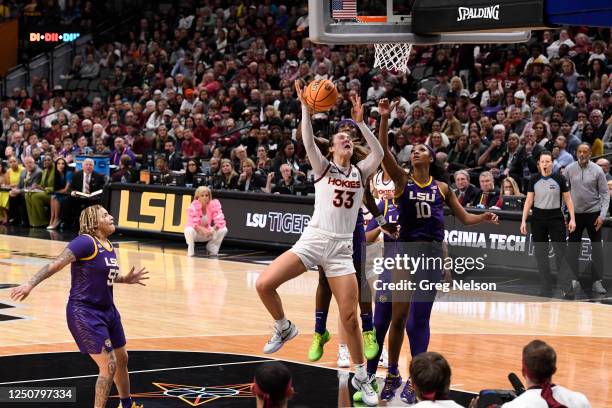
21, 292
357, 110
384, 108
136, 277
391, 229
300, 91
490, 218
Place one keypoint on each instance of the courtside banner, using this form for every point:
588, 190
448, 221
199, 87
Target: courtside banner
278, 220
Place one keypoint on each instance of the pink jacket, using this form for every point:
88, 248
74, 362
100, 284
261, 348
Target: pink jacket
214, 214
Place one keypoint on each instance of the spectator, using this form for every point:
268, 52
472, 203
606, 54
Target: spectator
496, 150
264, 163
191, 146
272, 385
560, 154
589, 192
175, 162
227, 179
605, 166
85, 182
465, 191
28, 178
250, 180
205, 222
509, 188
488, 193
191, 170
37, 202
126, 172
431, 377
61, 187
4, 195
91, 69
286, 183
121, 149
539, 366
461, 156
451, 125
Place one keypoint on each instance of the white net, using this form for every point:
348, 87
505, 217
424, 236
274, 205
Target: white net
393, 57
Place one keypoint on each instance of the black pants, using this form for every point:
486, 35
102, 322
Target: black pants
542, 230
586, 221
18, 210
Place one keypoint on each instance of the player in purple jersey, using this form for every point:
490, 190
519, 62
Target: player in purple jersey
421, 195
92, 317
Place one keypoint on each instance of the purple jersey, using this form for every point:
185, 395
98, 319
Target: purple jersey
421, 210
93, 273
390, 211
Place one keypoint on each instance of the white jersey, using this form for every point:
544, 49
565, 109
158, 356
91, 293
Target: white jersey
382, 189
338, 196
533, 399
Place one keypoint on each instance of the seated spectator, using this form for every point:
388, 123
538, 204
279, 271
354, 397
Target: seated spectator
227, 179
437, 143
605, 166
85, 181
67, 150
37, 202
121, 149
451, 125
286, 184
100, 148
272, 385
286, 155
489, 158
4, 195
560, 154
161, 166
175, 162
509, 188
250, 180
205, 222
239, 153
191, 170
191, 146
401, 149
214, 166
28, 178
488, 194
81, 148
539, 365
526, 160
460, 156
431, 377
126, 173
465, 191
476, 147
61, 187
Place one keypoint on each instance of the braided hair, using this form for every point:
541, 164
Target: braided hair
88, 221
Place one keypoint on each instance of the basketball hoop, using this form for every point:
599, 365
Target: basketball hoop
393, 56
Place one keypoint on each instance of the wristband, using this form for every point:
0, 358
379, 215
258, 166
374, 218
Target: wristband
381, 220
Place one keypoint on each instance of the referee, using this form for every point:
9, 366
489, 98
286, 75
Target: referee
589, 190
545, 193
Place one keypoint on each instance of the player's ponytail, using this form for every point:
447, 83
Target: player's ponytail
88, 221
272, 384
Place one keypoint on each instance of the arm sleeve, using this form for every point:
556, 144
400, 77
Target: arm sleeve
82, 246
531, 185
370, 164
317, 161
565, 187
373, 224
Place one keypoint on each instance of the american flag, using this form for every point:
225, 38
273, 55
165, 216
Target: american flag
344, 9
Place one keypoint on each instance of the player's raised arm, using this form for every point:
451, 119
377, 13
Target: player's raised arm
317, 160
372, 161
22, 291
397, 174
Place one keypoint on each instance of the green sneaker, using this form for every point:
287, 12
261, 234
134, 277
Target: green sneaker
370, 346
357, 394
315, 352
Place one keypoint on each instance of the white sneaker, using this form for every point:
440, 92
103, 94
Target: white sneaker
190, 250
598, 288
384, 359
575, 287
344, 358
368, 395
279, 338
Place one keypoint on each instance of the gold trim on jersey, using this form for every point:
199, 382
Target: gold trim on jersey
423, 185
103, 246
92, 256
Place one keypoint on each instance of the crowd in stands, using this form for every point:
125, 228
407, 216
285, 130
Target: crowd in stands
206, 91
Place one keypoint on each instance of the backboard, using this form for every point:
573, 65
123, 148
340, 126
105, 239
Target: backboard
391, 21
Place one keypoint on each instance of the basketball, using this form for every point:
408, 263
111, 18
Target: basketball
321, 95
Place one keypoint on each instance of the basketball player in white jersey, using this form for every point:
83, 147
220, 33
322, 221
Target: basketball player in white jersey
327, 241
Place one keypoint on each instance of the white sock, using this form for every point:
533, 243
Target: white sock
282, 324
360, 372
341, 346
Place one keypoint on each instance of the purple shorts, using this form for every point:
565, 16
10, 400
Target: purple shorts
95, 330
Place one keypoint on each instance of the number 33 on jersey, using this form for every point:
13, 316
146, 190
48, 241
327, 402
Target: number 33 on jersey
339, 193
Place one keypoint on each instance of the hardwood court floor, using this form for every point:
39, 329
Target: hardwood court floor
211, 305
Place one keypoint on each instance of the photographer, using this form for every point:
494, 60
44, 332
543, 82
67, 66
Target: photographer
539, 365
